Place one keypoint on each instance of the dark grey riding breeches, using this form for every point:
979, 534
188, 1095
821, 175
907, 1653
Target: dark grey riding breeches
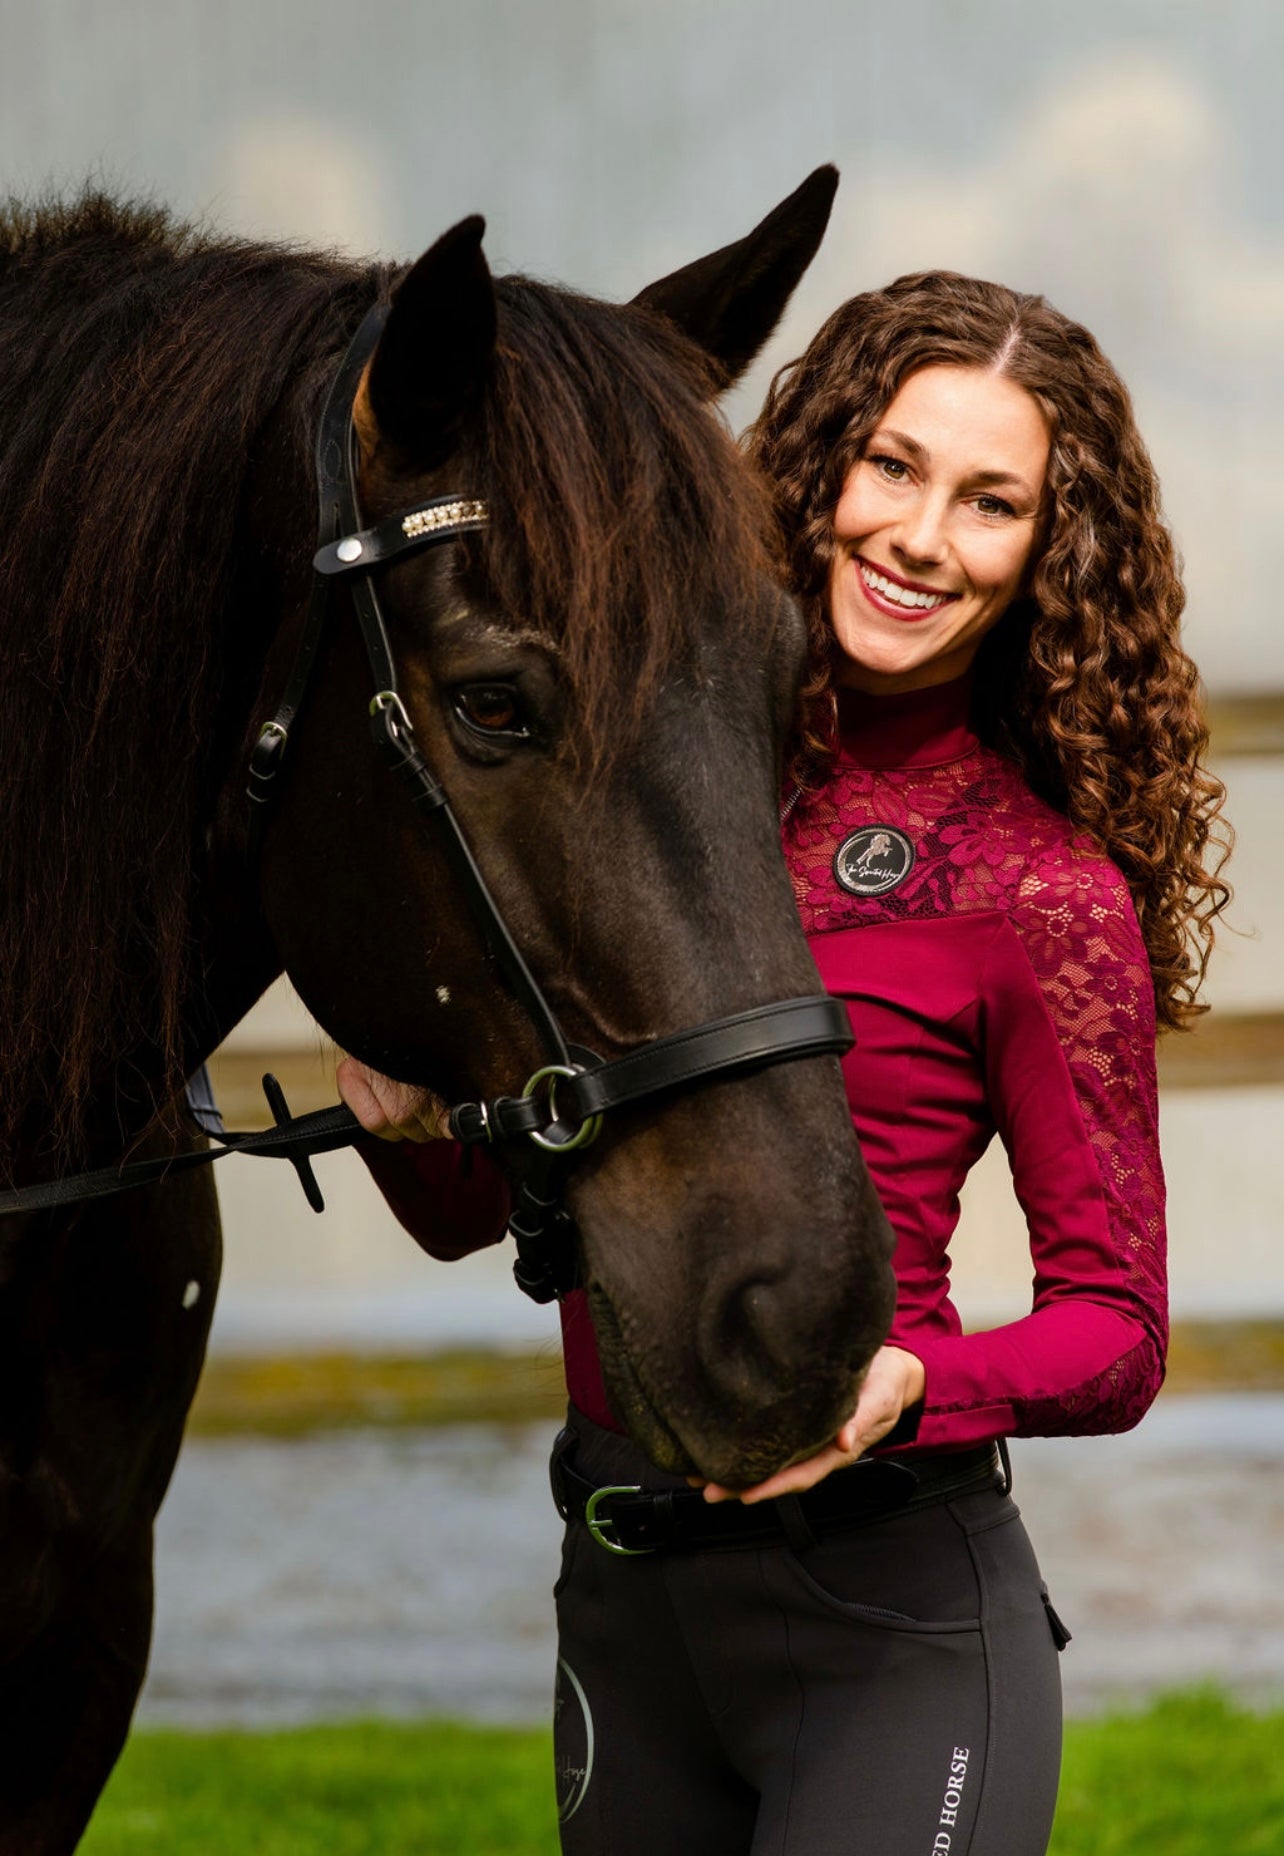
892, 1691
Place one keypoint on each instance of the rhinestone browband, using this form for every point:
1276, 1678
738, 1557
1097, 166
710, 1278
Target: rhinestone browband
442, 515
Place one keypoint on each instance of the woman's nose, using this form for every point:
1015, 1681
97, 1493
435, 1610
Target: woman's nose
920, 536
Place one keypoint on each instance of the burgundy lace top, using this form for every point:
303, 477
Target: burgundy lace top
997, 983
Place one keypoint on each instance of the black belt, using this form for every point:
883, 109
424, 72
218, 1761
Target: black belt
627, 1519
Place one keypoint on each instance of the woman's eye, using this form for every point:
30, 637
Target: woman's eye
492, 709
994, 506
894, 469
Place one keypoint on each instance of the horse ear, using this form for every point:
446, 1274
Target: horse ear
433, 358
730, 302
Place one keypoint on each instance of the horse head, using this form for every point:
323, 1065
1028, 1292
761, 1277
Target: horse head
601, 679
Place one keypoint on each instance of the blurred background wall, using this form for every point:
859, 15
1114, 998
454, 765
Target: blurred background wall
1122, 156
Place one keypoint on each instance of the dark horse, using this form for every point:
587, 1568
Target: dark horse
601, 678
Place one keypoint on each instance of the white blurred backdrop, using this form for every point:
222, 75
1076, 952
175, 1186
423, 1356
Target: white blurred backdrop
1124, 157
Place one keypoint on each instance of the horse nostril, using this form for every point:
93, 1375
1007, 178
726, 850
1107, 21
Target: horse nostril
759, 1330
777, 1355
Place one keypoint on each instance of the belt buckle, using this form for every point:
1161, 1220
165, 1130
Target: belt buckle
596, 1527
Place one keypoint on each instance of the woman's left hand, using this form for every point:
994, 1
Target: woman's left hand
390, 1110
895, 1380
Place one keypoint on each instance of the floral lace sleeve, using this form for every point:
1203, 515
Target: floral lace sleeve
1069, 1029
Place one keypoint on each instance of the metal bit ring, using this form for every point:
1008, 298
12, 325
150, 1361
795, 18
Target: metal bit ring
588, 1129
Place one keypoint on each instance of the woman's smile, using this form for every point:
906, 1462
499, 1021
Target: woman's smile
891, 593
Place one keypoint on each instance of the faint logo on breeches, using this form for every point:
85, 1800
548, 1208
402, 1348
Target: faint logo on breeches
572, 1741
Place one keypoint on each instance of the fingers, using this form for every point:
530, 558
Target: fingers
390, 1110
791, 1481
874, 1417
361, 1099
895, 1379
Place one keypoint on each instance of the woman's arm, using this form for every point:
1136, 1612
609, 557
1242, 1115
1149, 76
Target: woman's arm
1069, 1038
451, 1200
1069, 1034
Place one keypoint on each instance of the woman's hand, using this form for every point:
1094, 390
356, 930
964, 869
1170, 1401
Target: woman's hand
895, 1381
393, 1111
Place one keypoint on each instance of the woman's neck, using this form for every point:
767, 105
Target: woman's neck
913, 728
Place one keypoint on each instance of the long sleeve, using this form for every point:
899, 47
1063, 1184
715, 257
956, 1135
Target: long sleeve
451, 1200
1067, 1021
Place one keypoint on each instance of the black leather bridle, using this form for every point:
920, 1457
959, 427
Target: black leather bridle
561, 1108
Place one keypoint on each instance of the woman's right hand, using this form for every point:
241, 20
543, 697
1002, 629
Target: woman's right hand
895, 1381
393, 1111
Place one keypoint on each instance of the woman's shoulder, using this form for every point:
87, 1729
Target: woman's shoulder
1054, 864
1072, 911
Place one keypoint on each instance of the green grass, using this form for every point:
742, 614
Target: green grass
1192, 1776
434, 1789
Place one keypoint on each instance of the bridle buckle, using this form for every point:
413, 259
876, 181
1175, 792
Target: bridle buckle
389, 702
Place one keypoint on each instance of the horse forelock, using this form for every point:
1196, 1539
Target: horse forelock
625, 526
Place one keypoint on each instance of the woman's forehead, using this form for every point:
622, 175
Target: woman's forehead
969, 418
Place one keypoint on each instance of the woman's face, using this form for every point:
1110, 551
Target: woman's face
935, 528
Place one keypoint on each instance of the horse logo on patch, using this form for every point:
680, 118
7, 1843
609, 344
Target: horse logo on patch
873, 860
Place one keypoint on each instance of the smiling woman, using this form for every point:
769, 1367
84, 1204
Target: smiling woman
1082, 680
996, 827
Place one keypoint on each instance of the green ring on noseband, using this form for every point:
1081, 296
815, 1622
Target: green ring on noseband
589, 1128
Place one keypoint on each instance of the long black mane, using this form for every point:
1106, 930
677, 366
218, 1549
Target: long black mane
140, 363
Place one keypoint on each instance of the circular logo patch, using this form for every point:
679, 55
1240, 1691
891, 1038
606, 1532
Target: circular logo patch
873, 860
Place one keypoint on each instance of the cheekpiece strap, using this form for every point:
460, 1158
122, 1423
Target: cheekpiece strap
331, 460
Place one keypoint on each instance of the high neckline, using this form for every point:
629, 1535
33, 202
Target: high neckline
914, 728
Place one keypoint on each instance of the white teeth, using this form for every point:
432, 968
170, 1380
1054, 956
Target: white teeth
900, 595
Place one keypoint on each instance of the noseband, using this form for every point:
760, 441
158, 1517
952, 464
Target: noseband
562, 1106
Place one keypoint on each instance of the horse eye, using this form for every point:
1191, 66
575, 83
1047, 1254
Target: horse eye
492, 709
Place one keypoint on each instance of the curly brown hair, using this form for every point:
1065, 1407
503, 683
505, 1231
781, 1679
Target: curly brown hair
1084, 682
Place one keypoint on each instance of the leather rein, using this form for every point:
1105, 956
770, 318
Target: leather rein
562, 1106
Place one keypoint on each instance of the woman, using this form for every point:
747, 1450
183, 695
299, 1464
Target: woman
997, 822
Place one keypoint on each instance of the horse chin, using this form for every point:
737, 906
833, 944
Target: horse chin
734, 1463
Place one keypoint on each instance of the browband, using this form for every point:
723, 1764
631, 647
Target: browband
438, 520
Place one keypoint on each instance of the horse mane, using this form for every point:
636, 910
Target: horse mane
141, 360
